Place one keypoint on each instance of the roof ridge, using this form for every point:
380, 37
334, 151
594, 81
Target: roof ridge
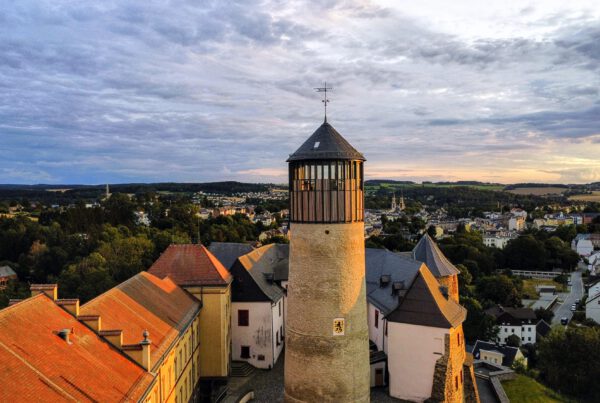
111, 290
22, 302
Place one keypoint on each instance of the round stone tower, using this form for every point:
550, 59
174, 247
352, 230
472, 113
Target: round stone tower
327, 337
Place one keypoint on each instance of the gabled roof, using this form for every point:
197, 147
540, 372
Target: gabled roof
267, 261
543, 328
509, 353
514, 316
228, 252
7, 271
145, 302
380, 262
38, 365
428, 252
326, 144
425, 305
190, 265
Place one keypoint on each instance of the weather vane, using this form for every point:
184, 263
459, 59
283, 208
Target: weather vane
325, 100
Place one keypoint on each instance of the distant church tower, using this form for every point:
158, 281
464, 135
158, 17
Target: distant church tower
394, 205
327, 340
402, 205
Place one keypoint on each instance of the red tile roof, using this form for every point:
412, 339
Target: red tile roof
145, 302
38, 365
190, 265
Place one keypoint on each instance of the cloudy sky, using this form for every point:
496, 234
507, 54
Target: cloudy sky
145, 91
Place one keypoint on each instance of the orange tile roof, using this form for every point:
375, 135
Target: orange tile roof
145, 302
37, 365
190, 265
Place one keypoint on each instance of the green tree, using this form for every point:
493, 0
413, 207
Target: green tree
569, 361
525, 253
513, 340
500, 290
566, 232
464, 280
14, 289
544, 314
86, 279
478, 325
127, 256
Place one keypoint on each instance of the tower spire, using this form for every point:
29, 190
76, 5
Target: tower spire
325, 100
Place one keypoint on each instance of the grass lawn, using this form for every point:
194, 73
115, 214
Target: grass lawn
530, 284
527, 390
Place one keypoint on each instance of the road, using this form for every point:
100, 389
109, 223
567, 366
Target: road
576, 292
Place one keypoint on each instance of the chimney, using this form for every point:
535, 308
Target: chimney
146, 350
69, 305
93, 321
64, 334
114, 337
140, 352
51, 290
384, 280
398, 288
13, 301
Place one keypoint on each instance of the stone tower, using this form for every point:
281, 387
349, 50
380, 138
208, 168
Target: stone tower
327, 340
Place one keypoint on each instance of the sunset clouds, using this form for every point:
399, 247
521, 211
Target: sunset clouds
129, 91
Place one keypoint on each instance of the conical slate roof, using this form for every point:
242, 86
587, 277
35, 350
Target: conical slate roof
429, 253
326, 144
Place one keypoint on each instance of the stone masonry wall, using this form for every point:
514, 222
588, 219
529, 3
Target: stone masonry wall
327, 281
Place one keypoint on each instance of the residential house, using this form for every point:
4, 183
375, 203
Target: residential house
582, 244
516, 224
517, 212
592, 304
497, 354
498, 240
258, 305
6, 274
515, 321
199, 272
594, 262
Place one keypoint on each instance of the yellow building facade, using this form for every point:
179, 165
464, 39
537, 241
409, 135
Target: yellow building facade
198, 271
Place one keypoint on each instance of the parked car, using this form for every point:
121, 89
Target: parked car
574, 307
564, 320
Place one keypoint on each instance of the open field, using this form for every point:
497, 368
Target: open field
398, 186
538, 191
594, 197
527, 390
